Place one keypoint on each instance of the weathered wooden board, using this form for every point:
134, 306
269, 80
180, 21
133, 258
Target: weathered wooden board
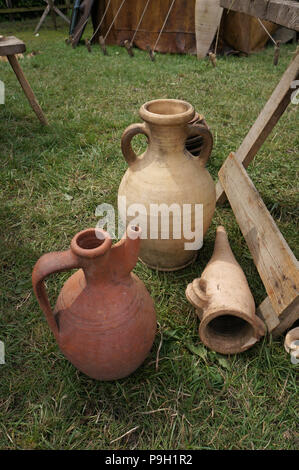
207, 19
282, 12
10, 45
277, 325
275, 262
266, 120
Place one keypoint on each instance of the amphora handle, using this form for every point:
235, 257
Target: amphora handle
127, 137
47, 264
195, 130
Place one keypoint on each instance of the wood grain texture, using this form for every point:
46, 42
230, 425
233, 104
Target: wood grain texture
11, 45
276, 325
284, 13
207, 19
265, 312
274, 260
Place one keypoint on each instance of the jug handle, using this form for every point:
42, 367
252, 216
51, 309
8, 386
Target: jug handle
47, 264
126, 139
198, 129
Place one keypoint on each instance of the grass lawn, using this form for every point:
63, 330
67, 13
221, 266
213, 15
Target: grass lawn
52, 180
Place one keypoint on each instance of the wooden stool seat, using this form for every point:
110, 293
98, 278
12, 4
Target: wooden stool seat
10, 46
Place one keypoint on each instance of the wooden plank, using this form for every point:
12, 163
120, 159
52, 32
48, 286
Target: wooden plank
282, 12
11, 45
277, 325
265, 312
207, 19
275, 262
266, 120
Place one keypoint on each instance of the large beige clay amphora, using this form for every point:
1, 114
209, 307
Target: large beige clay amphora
166, 185
224, 302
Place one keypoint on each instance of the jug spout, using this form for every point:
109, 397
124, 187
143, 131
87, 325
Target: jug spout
100, 260
132, 244
124, 254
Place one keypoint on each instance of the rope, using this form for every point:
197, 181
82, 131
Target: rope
163, 25
217, 38
264, 27
82, 26
141, 18
99, 25
114, 20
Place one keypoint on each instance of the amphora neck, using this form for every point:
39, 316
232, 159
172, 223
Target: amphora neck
167, 121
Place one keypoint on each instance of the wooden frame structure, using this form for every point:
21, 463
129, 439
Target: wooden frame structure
9, 47
274, 260
282, 12
51, 8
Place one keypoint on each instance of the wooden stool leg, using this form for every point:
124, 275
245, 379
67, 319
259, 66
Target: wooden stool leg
27, 89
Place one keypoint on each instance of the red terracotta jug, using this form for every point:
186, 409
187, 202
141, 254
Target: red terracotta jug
104, 320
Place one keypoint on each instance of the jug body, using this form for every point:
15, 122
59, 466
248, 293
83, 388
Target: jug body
104, 320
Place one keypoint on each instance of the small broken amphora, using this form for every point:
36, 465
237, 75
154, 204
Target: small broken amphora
224, 302
104, 320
